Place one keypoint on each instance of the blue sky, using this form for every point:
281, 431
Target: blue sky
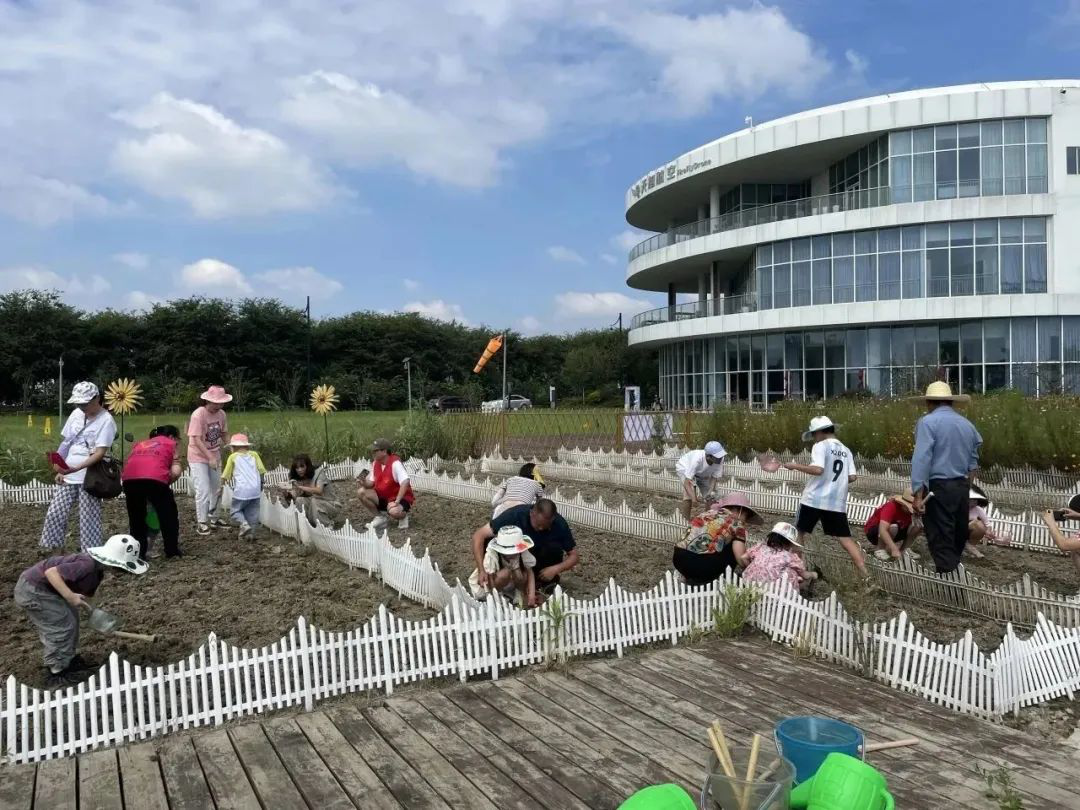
462, 158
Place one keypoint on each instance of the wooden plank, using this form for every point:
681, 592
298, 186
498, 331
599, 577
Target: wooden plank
353, 774
964, 746
265, 771
317, 785
56, 786
99, 781
407, 785
140, 777
586, 785
17, 786
224, 773
448, 782
500, 790
542, 788
185, 784
609, 768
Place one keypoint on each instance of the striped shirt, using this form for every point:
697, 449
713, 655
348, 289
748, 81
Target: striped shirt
516, 491
828, 491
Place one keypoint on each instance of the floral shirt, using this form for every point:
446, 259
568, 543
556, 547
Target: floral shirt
712, 531
769, 564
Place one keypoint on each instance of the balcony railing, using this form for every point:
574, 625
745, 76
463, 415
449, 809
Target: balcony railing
728, 305
764, 214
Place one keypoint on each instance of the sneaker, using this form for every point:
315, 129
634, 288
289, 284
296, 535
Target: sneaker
403, 523
914, 555
378, 522
202, 528
80, 664
882, 554
65, 677
219, 523
245, 531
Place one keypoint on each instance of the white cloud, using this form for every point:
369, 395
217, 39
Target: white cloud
626, 240
410, 285
132, 260
529, 325
76, 289
608, 258
595, 304
213, 277
296, 282
736, 53
44, 201
141, 301
856, 61
566, 255
438, 310
193, 153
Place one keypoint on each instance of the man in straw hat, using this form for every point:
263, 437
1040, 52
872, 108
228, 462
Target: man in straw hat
52, 591
699, 470
943, 464
206, 433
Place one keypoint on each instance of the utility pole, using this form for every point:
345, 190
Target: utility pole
506, 395
408, 375
307, 316
60, 396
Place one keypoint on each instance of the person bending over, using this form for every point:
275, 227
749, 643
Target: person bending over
698, 471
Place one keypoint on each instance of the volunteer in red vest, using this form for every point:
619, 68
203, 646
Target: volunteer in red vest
892, 527
386, 490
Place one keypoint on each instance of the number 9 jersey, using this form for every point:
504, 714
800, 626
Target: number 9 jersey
828, 491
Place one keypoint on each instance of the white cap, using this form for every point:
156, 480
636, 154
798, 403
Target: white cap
788, 532
715, 449
816, 424
82, 393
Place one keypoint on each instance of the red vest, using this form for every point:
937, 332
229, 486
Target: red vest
385, 485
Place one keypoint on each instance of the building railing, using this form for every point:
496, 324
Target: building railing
726, 305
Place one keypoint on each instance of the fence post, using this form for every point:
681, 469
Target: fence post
117, 699
384, 638
459, 633
215, 684
305, 664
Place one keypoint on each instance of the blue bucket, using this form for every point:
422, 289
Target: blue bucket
806, 741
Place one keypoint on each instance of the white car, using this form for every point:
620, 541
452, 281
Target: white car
517, 403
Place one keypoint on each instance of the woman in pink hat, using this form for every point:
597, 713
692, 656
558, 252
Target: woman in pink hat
206, 432
715, 540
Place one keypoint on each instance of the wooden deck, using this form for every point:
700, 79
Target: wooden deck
584, 739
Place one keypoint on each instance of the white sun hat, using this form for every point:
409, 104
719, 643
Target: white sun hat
816, 424
120, 551
82, 393
788, 532
715, 449
511, 540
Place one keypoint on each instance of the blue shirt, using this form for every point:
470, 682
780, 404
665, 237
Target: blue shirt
946, 446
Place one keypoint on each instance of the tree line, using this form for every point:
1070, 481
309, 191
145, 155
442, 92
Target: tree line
258, 349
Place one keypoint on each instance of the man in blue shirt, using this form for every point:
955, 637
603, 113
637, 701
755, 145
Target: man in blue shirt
945, 459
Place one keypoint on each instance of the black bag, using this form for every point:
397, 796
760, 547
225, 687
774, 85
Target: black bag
103, 479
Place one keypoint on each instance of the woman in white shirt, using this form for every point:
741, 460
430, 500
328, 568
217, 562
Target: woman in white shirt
87, 436
524, 488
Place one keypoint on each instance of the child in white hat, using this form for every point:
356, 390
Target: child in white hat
508, 568
779, 557
244, 471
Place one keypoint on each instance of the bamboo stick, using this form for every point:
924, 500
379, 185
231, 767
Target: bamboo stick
885, 746
719, 744
750, 768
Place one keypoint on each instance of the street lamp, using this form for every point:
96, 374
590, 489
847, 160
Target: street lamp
408, 374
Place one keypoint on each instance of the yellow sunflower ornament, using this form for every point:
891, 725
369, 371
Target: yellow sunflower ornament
121, 398
324, 399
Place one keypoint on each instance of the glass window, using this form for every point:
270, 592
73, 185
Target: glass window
903, 346
815, 385
997, 378
900, 179
986, 270
822, 281
793, 349
764, 288
996, 341
843, 279
800, 250
923, 139
912, 237
843, 244
971, 379
945, 136
962, 271
1035, 268
814, 349
774, 351
1070, 338
1012, 273
923, 177
926, 346
856, 347
971, 342
888, 276
937, 235
1034, 229
992, 169
912, 278
949, 339
991, 132
834, 382
1036, 130
878, 381
822, 247
937, 273
1012, 230
888, 239
1014, 130
866, 241
1049, 339
800, 284
879, 348
834, 348
1049, 379
866, 278
1036, 169
986, 231
757, 352
961, 234
946, 174
782, 286
764, 255
1023, 340
968, 172
781, 252
1024, 377
744, 352
1072, 160
1015, 171
967, 134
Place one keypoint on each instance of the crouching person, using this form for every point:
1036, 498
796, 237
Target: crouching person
52, 591
508, 569
779, 557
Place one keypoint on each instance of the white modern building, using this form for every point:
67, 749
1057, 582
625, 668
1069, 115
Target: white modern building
875, 244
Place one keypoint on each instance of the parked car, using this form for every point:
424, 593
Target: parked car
517, 403
449, 403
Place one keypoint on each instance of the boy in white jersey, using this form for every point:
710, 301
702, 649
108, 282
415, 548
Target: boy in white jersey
824, 498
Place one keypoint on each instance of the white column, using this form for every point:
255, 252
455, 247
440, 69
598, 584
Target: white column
714, 207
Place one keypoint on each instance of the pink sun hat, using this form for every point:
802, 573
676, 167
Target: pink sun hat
738, 499
216, 394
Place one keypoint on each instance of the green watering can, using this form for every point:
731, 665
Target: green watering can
843, 783
660, 797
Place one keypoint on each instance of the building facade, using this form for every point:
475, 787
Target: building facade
872, 245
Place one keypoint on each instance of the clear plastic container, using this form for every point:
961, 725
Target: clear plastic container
723, 793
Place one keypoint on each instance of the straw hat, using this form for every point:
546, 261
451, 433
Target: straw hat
120, 551
239, 440
941, 391
738, 499
216, 394
511, 540
788, 532
816, 424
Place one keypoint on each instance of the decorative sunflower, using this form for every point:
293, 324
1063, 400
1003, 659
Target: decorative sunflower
324, 399
122, 397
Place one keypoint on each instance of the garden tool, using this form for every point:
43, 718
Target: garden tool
107, 623
843, 783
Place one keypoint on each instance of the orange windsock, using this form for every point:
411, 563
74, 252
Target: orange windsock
493, 346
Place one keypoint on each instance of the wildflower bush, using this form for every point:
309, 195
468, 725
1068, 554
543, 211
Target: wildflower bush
1017, 431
